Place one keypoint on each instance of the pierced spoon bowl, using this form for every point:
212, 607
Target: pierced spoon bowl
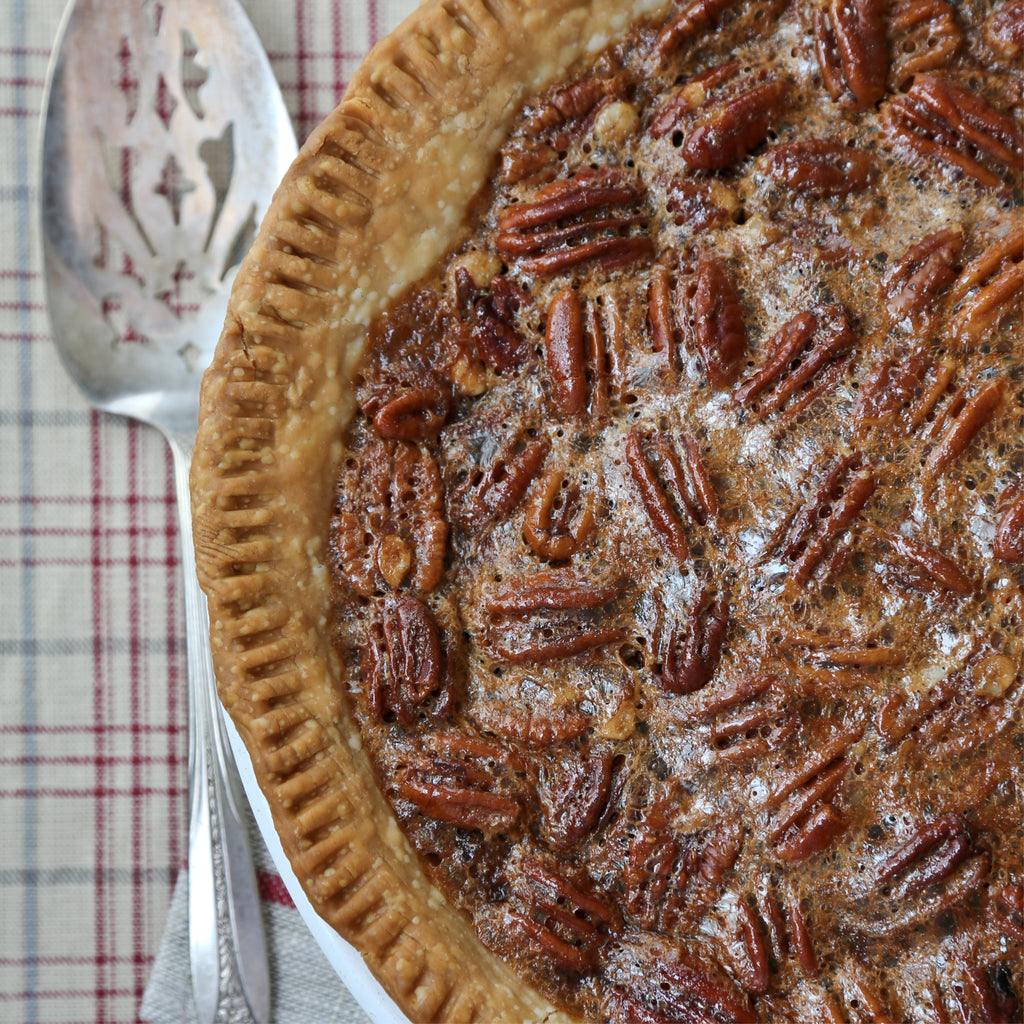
164, 138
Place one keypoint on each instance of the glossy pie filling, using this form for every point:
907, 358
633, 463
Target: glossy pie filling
677, 549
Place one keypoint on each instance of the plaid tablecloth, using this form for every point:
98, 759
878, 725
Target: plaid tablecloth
93, 816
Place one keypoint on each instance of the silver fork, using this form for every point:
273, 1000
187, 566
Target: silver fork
164, 138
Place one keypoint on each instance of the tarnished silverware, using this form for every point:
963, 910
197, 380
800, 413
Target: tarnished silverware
164, 137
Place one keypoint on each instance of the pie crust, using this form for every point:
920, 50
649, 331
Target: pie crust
350, 230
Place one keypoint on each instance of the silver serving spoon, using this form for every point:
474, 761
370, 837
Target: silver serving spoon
164, 137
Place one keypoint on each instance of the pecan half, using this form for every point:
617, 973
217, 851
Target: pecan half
1008, 545
676, 987
912, 284
849, 39
517, 649
731, 129
983, 312
609, 353
657, 865
752, 967
890, 387
813, 831
389, 527
703, 504
785, 346
964, 708
576, 792
719, 848
661, 322
935, 571
838, 661
463, 781
670, 878
802, 522
800, 939
576, 220
694, 19
479, 495
769, 919
690, 655
923, 36
402, 667
968, 421
807, 822
569, 110
550, 614
693, 96
718, 326
564, 920
564, 348
960, 718
559, 516
818, 167
796, 353
850, 655
538, 726
606, 351
661, 490
990, 288
748, 718
527, 159
1003, 248
845, 507
956, 128
938, 378
414, 415
551, 590
929, 856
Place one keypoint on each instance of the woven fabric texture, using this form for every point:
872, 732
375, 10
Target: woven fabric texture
93, 747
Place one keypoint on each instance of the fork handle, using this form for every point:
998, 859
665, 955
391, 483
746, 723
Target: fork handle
230, 980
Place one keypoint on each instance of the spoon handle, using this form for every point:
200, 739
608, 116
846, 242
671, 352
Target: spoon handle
227, 946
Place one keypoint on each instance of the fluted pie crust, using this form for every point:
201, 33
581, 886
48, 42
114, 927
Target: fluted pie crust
380, 195
350, 228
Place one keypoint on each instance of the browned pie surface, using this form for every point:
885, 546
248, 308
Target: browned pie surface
677, 547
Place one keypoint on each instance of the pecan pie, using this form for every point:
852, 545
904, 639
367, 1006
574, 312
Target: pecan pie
610, 497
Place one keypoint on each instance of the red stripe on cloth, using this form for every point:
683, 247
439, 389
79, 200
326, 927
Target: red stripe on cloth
272, 889
177, 680
373, 21
103, 953
136, 629
57, 961
22, 83
111, 729
337, 55
304, 115
99, 794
